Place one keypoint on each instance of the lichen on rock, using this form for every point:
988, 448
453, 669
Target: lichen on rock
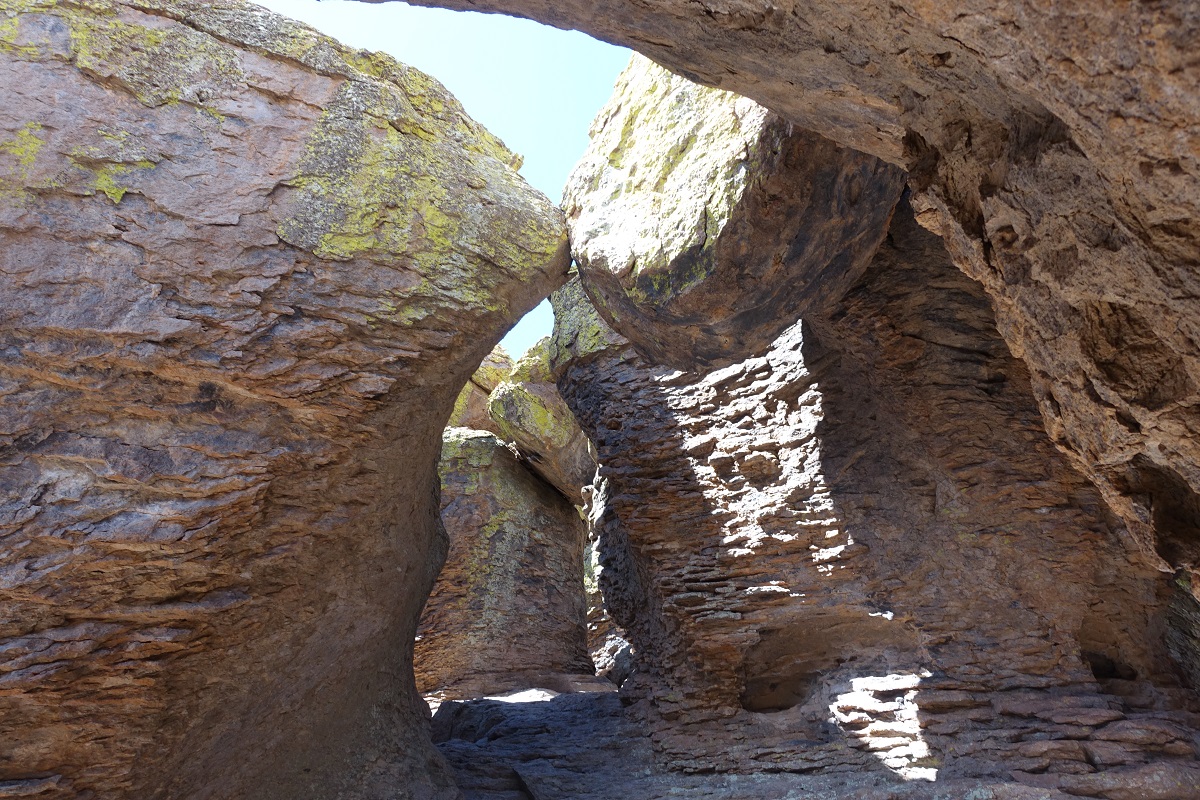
247, 270
529, 412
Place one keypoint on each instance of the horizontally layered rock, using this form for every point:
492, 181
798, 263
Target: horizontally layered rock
527, 410
662, 235
1054, 146
246, 272
861, 551
471, 405
507, 611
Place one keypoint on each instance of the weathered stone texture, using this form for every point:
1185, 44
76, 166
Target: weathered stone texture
507, 611
527, 410
862, 551
663, 234
1055, 147
246, 270
471, 406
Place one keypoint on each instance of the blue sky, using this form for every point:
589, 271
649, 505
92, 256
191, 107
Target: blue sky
535, 87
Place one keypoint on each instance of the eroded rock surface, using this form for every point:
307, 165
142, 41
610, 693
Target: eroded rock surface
861, 551
704, 251
471, 405
246, 270
1053, 146
527, 410
507, 611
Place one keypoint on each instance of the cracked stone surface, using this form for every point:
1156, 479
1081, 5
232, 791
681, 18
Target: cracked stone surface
245, 271
1055, 147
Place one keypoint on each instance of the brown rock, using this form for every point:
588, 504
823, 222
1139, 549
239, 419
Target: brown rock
507, 611
1161, 781
470, 408
1148, 732
246, 272
1055, 149
704, 252
527, 410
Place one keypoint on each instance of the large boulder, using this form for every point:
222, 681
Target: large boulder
246, 271
703, 252
471, 405
1053, 146
860, 551
508, 610
527, 410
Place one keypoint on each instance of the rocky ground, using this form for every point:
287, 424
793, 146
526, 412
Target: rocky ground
537, 746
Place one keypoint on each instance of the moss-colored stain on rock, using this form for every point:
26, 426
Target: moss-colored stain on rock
24, 147
248, 425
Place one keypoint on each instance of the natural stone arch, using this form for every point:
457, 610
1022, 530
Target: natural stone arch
247, 271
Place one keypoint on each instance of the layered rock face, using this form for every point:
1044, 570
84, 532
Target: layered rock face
528, 411
246, 272
1054, 147
471, 406
861, 551
507, 611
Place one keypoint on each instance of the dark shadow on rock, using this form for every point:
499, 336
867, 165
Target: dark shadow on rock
861, 551
978, 535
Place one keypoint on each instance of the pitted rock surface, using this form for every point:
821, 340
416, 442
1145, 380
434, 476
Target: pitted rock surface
246, 270
507, 611
1053, 146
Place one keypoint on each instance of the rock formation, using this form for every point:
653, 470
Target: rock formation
861, 551
893, 478
1052, 146
528, 411
246, 271
507, 611
471, 406
663, 255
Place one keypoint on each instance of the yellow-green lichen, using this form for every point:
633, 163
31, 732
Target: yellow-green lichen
366, 187
158, 63
24, 147
108, 179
